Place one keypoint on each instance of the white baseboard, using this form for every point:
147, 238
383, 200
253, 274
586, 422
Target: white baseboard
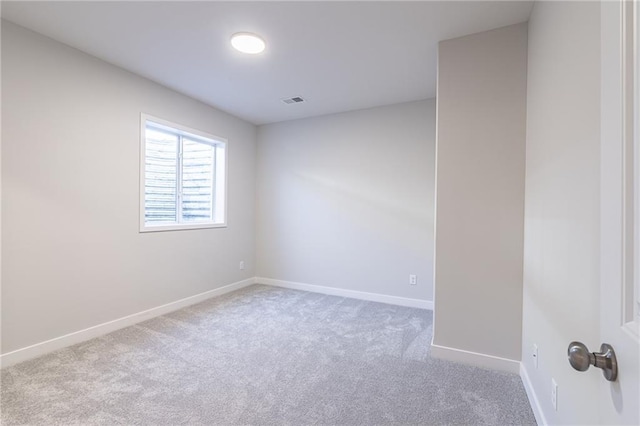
475, 359
362, 295
533, 397
45, 347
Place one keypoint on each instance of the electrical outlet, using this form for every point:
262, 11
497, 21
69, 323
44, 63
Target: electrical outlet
413, 279
534, 354
554, 394
241, 265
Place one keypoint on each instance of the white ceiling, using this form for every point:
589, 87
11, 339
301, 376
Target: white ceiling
339, 56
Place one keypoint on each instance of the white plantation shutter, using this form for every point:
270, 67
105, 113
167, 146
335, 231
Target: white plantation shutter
161, 185
198, 161
183, 176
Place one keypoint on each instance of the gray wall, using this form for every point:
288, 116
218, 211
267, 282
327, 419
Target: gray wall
562, 221
346, 200
72, 254
480, 192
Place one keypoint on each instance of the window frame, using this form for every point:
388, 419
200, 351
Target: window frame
195, 134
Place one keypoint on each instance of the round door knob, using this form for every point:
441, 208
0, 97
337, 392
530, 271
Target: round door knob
579, 356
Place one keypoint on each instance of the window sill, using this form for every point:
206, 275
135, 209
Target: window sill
180, 227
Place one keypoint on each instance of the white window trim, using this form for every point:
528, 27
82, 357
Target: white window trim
221, 196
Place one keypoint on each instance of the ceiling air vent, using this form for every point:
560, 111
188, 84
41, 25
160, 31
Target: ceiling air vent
294, 100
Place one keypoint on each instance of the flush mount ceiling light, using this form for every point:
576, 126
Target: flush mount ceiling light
247, 43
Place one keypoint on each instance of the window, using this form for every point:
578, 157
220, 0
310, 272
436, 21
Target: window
182, 177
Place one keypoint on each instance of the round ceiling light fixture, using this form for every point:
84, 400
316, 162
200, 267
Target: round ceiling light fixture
247, 43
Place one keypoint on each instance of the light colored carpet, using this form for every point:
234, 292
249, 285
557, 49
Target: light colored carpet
263, 355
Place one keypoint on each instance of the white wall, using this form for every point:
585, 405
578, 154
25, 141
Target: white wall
1, 24
561, 250
346, 200
72, 254
480, 193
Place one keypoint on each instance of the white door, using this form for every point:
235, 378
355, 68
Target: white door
620, 215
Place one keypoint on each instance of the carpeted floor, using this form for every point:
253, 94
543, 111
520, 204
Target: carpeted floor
263, 355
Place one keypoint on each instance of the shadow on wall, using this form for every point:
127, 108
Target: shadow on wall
353, 204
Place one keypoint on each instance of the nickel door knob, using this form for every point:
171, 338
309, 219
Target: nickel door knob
581, 359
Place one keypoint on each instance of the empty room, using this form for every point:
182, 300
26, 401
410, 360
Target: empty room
320, 212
